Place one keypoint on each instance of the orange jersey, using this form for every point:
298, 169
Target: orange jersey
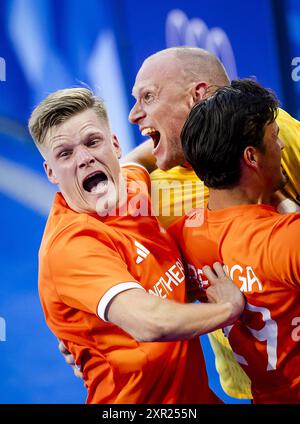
85, 261
260, 249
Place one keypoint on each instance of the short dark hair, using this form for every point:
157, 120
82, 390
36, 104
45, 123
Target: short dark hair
219, 128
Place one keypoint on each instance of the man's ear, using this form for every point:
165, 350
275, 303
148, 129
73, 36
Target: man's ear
250, 157
117, 146
199, 91
50, 174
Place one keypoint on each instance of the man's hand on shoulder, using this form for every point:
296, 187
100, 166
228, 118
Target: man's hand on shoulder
223, 290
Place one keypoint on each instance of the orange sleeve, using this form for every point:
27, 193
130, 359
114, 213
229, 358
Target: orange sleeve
283, 249
175, 230
193, 285
85, 266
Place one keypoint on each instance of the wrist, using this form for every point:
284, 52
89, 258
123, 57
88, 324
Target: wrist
236, 308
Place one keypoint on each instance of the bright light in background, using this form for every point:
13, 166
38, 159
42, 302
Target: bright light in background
26, 186
2, 330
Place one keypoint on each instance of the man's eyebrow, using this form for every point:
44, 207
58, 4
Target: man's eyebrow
138, 91
88, 136
59, 146
94, 134
56, 139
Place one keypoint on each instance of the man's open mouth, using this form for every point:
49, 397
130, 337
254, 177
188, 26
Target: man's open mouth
95, 182
153, 133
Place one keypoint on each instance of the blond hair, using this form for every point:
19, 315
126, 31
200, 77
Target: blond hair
60, 106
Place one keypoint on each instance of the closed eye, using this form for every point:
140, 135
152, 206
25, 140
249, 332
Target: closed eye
65, 153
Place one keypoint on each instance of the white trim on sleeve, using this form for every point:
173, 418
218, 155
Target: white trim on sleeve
111, 293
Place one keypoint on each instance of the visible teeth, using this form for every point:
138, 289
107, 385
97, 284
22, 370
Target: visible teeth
100, 187
148, 131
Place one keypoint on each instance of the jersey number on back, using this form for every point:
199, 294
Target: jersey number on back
268, 333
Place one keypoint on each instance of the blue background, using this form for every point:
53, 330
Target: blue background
49, 45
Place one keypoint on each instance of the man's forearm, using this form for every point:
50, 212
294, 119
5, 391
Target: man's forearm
148, 318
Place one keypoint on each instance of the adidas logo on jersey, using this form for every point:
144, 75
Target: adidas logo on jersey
141, 251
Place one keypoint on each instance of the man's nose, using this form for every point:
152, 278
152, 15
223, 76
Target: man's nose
84, 157
136, 114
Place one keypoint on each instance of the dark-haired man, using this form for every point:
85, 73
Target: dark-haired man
231, 140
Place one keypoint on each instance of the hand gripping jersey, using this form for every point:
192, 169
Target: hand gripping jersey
233, 379
84, 262
260, 250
